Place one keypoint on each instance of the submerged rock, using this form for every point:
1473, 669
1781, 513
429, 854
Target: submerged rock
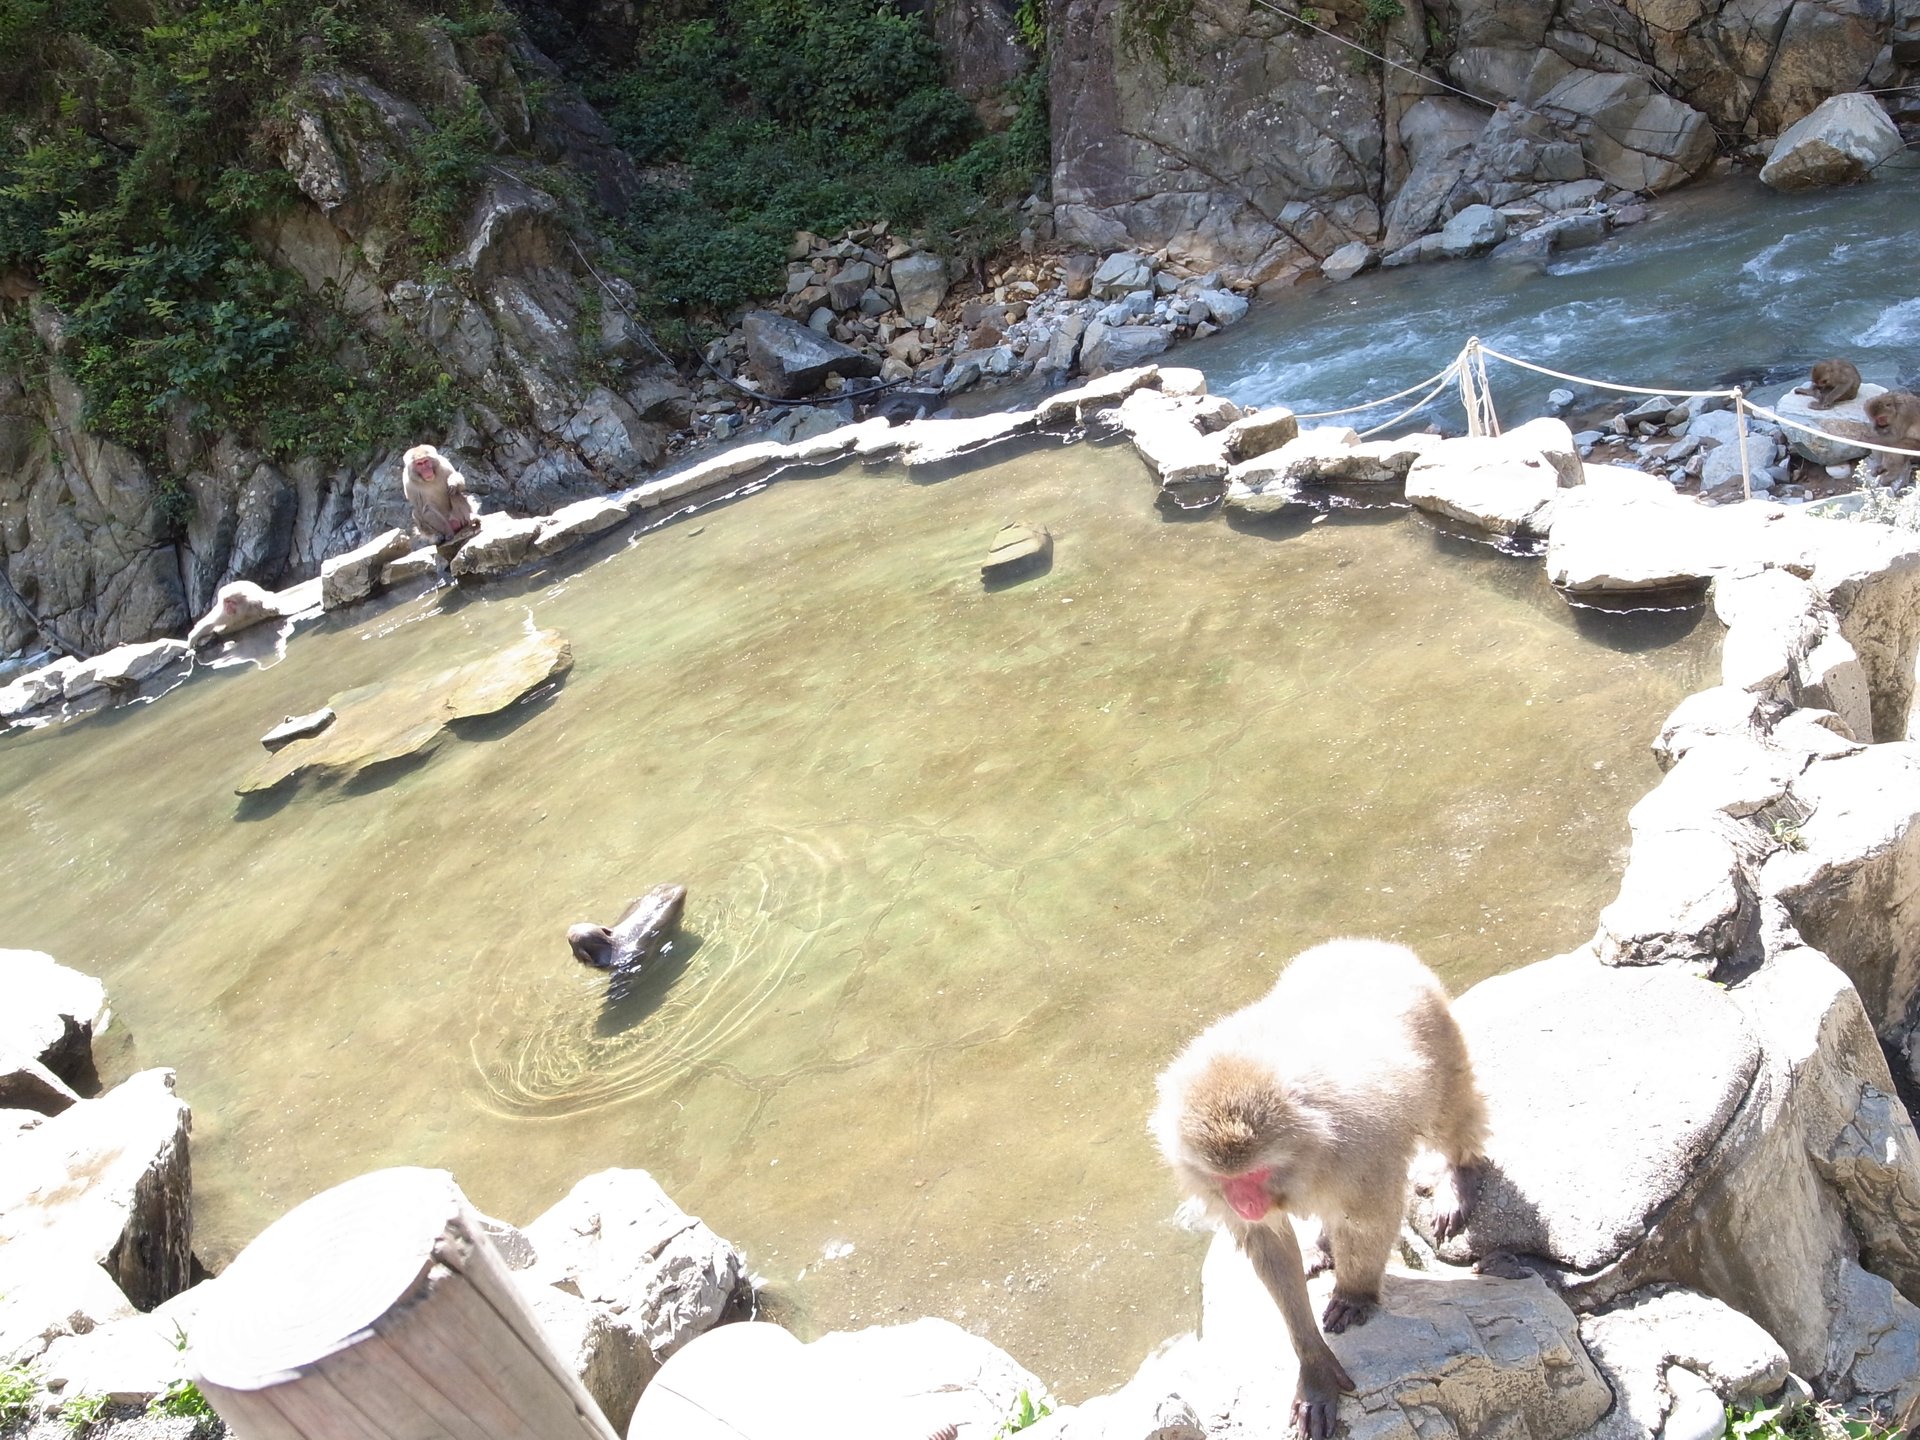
392, 719
1018, 550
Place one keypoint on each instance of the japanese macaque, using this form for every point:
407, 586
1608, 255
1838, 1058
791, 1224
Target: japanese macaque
636, 937
240, 604
438, 494
1311, 1102
1896, 421
1834, 383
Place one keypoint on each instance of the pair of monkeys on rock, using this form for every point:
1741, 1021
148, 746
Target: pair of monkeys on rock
1894, 415
1311, 1102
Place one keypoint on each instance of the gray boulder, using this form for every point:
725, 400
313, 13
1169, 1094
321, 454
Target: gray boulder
1505, 484
1106, 348
921, 283
791, 360
51, 1013
1844, 140
1476, 229
619, 1242
1348, 261
1120, 274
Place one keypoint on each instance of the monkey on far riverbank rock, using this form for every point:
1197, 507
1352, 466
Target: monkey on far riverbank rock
1311, 1102
1834, 382
1896, 421
437, 494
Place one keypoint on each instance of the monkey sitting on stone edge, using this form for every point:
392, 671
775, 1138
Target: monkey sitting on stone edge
437, 494
1311, 1102
1834, 382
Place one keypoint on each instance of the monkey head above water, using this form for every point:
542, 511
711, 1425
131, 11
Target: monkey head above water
239, 605
636, 937
437, 494
1834, 382
1311, 1102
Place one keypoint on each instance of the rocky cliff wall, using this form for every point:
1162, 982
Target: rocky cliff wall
1265, 146
559, 397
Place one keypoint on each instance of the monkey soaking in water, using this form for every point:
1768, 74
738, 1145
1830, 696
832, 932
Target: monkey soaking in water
438, 494
1310, 1102
1896, 421
240, 604
1834, 383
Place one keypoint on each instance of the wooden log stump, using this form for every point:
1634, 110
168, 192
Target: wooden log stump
379, 1310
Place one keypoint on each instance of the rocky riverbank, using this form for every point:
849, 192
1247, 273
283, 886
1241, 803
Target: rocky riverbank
1697, 1192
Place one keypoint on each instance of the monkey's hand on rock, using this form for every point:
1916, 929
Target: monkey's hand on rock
1316, 1403
1345, 1310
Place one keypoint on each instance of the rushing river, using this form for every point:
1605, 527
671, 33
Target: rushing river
1730, 283
965, 866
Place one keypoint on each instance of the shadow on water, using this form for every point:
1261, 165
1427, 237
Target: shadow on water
1008, 577
635, 995
1632, 631
502, 723
377, 777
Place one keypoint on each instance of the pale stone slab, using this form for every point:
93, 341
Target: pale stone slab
571, 524
108, 1180
348, 579
1445, 1354
502, 544
1606, 1090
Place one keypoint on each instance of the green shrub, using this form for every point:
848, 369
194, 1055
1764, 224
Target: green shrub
17, 1389
770, 116
82, 1412
181, 1400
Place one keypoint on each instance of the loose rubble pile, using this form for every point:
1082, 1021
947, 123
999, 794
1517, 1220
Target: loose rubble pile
868, 310
1695, 443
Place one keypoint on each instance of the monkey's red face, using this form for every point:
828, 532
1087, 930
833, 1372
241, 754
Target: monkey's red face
423, 467
1248, 1193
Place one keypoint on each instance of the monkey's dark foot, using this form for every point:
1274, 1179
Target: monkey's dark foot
1316, 1404
1345, 1310
1450, 1210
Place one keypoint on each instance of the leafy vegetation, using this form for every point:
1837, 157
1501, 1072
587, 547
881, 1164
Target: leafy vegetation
181, 1400
16, 1381
1824, 1421
135, 165
1026, 1411
82, 1412
762, 117
1156, 28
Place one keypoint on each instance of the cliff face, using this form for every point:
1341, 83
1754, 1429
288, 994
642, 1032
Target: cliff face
558, 398
1268, 146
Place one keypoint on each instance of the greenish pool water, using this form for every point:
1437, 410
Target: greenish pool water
964, 869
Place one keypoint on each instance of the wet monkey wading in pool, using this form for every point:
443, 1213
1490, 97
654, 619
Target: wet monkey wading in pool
1311, 1102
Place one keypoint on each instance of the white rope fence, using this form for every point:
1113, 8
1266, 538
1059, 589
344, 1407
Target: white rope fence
1468, 371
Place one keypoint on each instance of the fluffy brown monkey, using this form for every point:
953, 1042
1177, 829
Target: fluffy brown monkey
438, 494
1834, 383
240, 604
1896, 421
1310, 1102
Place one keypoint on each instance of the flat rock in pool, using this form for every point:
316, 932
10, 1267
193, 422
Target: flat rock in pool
1018, 550
391, 719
